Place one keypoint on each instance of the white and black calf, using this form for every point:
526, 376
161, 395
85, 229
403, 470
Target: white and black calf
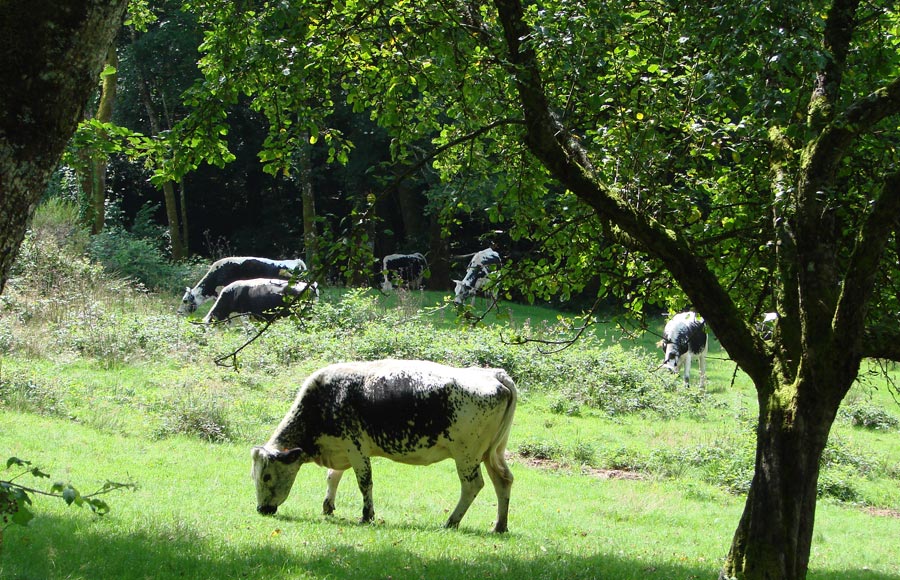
477, 272
227, 270
414, 412
683, 338
261, 298
406, 270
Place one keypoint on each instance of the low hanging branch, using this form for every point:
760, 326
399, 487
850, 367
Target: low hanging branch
299, 305
15, 498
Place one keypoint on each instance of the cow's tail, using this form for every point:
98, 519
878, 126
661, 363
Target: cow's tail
495, 455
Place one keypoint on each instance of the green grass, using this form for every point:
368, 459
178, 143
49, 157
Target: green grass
127, 391
193, 517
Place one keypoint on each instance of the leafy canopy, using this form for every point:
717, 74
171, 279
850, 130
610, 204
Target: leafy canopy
677, 107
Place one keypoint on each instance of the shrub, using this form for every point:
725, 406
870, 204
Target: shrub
540, 449
30, 394
140, 259
870, 416
196, 417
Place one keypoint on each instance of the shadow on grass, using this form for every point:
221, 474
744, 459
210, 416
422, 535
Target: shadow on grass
49, 552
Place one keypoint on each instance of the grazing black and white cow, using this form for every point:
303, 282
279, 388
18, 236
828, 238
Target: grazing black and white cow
766, 327
411, 411
262, 298
684, 337
227, 270
480, 266
403, 270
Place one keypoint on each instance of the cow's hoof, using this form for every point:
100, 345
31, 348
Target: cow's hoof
498, 529
267, 510
327, 508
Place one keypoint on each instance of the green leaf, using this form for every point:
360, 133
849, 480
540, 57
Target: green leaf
70, 495
22, 516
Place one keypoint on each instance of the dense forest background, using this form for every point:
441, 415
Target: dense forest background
238, 208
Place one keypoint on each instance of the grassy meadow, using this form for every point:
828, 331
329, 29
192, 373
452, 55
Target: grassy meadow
620, 471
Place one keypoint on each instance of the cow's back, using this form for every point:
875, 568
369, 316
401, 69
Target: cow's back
411, 411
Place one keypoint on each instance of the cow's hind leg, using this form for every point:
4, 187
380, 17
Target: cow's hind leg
333, 479
471, 482
502, 478
702, 361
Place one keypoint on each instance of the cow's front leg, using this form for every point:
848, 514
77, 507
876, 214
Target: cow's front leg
362, 467
470, 482
333, 479
686, 368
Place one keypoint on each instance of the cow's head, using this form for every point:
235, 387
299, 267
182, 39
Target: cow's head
273, 473
188, 302
462, 291
672, 354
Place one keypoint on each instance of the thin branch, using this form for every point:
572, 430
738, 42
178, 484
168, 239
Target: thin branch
859, 282
881, 343
565, 343
451, 144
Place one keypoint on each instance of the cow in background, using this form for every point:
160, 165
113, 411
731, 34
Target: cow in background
261, 298
227, 270
405, 270
480, 266
683, 338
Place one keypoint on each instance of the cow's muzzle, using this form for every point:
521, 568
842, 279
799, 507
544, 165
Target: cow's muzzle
267, 510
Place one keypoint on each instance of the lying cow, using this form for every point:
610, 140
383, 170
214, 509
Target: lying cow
480, 266
404, 270
227, 270
261, 298
683, 337
414, 412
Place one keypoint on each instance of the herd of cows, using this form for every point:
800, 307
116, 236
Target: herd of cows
412, 411
258, 286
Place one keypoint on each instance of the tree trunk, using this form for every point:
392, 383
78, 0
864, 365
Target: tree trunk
173, 217
774, 535
51, 53
94, 164
169, 197
182, 199
308, 198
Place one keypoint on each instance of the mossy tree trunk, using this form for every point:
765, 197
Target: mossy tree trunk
93, 165
51, 55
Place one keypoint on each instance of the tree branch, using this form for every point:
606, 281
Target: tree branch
839, 26
562, 155
859, 282
881, 343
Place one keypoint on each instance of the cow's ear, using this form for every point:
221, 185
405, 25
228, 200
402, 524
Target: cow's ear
661, 344
187, 288
289, 456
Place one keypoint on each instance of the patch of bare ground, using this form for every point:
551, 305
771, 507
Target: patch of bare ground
882, 512
585, 470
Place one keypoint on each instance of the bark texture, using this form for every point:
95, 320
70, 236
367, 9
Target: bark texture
51, 55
